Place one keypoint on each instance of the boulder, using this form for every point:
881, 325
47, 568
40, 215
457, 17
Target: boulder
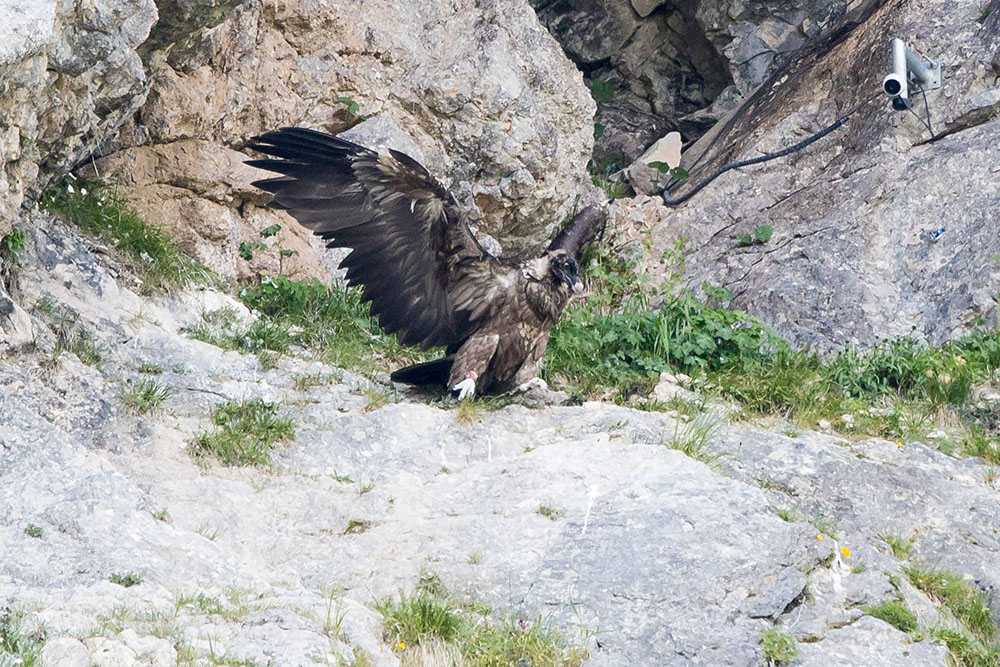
500, 116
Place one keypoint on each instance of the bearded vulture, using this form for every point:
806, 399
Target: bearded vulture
427, 278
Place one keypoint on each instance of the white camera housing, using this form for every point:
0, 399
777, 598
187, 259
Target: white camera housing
909, 68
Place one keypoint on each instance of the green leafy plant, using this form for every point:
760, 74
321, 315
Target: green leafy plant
31, 530
350, 103
602, 90
664, 168
12, 245
247, 248
245, 433
778, 647
628, 331
101, 212
19, 645
617, 339
598, 131
608, 175
761, 234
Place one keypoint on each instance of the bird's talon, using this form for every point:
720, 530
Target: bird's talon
466, 388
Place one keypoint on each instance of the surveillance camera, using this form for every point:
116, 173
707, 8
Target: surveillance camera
908, 68
893, 84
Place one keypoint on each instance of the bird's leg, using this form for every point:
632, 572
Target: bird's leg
472, 364
467, 387
535, 382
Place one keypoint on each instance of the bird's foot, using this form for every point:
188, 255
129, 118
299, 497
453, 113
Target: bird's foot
467, 387
533, 383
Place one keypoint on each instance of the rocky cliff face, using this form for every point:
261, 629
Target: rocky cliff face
71, 77
498, 114
852, 258
662, 66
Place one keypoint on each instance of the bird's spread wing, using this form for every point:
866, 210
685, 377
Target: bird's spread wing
422, 270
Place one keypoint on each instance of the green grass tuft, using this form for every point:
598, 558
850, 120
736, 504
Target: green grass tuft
332, 321
778, 647
517, 641
246, 433
145, 396
71, 334
101, 212
412, 619
896, 614
966, 602
31, 530
983, 444
127, 579
429, 618
966, 651
692, 438
901, 546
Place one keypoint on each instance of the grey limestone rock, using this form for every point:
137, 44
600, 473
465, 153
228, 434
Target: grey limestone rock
583, 514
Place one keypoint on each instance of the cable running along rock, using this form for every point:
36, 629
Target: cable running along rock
677, 201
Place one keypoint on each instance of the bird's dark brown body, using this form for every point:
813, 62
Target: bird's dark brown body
427, 278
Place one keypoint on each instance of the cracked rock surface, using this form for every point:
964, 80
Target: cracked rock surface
647, 555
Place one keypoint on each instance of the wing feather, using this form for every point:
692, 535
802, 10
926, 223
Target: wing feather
423, 272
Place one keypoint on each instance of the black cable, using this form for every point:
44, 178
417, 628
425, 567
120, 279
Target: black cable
923, 122
677, 201
927, 109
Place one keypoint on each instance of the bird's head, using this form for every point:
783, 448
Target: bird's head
564, 269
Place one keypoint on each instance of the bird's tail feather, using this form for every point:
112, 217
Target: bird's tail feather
428, 372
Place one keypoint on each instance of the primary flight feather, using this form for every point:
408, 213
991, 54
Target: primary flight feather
427, 278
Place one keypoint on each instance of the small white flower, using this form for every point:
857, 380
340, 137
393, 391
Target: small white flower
83, 191
69, 188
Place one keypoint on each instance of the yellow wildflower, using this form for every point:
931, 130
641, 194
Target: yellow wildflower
401, 645
846, 552
819, 537
899, 443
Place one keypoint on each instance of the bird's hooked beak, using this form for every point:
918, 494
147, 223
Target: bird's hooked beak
567, 271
